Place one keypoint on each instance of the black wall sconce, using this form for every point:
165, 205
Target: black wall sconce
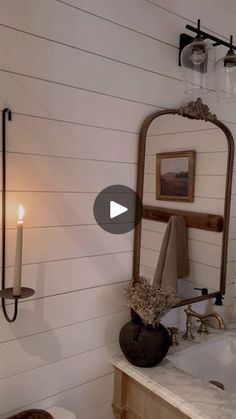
7, 293
201, 72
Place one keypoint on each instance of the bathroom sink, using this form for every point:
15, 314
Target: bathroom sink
211, 360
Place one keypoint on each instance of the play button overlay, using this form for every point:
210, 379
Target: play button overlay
117, 209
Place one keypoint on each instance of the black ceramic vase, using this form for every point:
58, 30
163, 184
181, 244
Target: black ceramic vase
144, 346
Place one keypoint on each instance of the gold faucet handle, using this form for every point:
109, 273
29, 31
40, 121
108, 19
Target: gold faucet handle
203, 330
173, 335
202, 320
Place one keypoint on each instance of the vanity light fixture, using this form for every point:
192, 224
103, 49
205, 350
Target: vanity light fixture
17, 292
225, 76
198, 62
200, 72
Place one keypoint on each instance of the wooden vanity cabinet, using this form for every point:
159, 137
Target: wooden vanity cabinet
132, 400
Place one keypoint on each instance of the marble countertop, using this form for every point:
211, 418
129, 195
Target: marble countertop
184, 391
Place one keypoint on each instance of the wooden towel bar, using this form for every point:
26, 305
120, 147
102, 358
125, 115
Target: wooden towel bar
199, 220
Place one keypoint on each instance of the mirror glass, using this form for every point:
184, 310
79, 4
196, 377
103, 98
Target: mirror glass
186, 168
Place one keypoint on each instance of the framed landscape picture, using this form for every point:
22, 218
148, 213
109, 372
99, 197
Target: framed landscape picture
175, 172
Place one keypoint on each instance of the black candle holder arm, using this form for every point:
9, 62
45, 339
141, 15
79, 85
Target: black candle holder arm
7, 293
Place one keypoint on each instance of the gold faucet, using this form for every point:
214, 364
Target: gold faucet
204, 322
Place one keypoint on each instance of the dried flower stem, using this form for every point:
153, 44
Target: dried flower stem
149, 301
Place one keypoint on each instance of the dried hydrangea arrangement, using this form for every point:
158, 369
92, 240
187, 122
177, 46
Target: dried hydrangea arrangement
149, 301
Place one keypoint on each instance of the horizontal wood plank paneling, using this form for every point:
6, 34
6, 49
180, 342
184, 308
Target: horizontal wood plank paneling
147, 25
205, 186
149, 256
82, 23
50, 138
211, 12
66, 14
217, 167
45, 381
52, 208
49, 100
198, 251
163, 127
68, 174
48, 244
48, 278
41, 315
198, 271
183, 9
47, 347
39, 59
79, 397
193, 233
200, 204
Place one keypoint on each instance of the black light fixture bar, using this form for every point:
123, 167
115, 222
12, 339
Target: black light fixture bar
186, 39
206, 35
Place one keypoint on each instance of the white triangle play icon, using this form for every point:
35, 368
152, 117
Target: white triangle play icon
116, 209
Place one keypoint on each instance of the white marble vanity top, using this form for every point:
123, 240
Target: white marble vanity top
188, 393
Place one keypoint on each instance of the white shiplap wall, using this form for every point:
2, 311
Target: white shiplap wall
80, 77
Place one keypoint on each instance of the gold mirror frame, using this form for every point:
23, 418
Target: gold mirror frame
200, 111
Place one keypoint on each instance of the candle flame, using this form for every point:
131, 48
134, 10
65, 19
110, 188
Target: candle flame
21, 213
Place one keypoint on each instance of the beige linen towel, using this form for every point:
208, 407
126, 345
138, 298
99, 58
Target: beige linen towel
173, 262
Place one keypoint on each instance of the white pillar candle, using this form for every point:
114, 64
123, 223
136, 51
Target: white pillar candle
18, 254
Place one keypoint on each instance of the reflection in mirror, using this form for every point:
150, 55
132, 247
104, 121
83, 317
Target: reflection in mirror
186, 168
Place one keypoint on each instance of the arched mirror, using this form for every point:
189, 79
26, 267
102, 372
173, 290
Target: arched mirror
185, 169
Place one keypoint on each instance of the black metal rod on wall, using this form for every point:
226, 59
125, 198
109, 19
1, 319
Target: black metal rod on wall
6, 115
206, 35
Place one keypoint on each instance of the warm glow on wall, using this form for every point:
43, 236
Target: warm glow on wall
21, 213
17, 291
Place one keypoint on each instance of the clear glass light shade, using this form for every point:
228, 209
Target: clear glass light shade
198, 64
225, 78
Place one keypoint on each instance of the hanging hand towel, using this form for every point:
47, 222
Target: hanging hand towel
173, 262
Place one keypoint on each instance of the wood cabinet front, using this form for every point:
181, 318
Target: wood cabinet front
133, 401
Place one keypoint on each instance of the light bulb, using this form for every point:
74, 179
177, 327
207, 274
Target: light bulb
198, 56
230, 60
225, 77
